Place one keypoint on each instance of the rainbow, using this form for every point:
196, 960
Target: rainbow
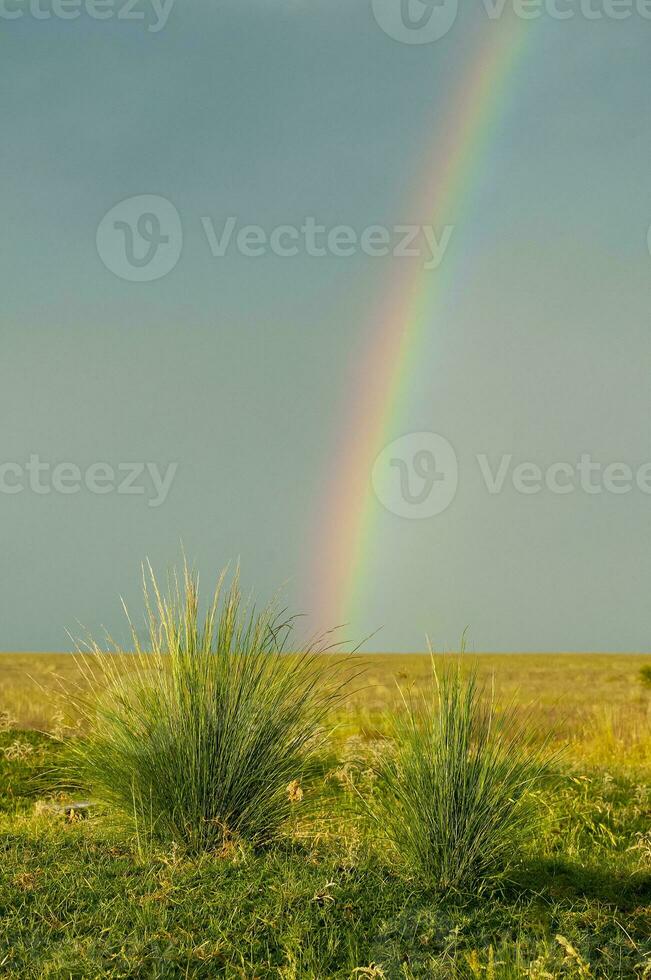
346, 515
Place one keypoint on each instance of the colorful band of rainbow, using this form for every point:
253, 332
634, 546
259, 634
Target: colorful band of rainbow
341, 575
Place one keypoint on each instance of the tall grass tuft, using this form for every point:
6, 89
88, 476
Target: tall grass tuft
209, 732
454, 790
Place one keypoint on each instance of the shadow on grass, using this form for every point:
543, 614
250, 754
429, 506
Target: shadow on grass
27, 764
562, 880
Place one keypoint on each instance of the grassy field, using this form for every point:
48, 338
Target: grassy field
85, 898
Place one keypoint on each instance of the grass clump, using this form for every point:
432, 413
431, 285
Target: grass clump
454, 792
80, 900
645, 675
209, 733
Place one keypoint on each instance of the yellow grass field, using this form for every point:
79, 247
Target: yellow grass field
92, 897
595, 701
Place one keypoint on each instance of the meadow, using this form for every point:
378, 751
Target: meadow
92, 897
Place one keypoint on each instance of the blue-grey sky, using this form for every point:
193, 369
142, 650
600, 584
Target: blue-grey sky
235, 369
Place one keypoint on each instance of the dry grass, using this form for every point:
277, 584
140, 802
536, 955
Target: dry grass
594, 701
597, 701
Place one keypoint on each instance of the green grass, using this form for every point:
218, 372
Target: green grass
456, 786
85, 899
210, 735
80, 900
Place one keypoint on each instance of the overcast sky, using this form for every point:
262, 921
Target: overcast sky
228, 373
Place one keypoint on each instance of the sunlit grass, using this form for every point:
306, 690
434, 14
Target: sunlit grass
81, 899
454, 791
210, 734
575, 694
84, 898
